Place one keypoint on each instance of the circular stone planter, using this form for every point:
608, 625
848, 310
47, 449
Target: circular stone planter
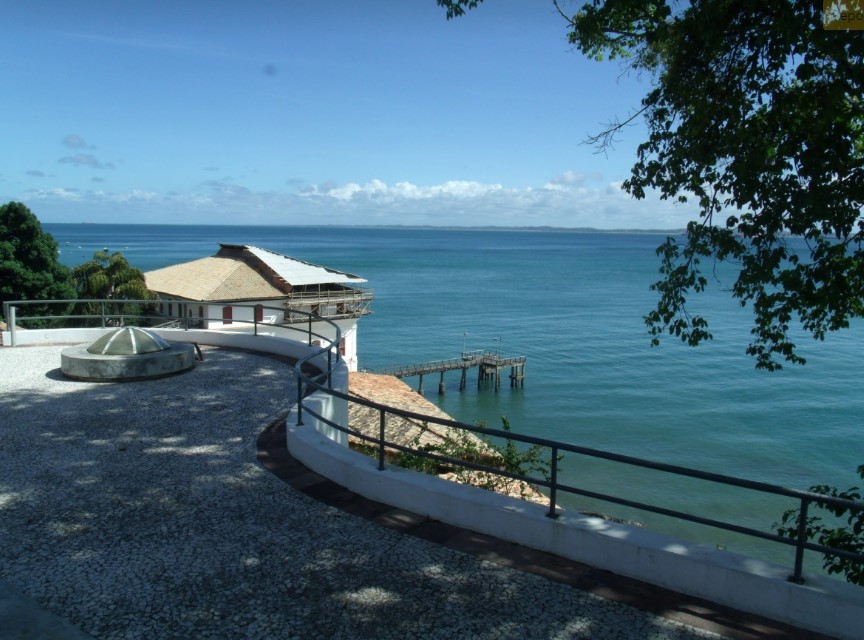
130, 353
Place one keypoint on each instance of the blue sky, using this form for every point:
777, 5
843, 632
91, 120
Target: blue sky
327, 112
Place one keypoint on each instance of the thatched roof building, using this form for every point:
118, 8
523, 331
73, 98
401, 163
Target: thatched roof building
243, 272
244, 286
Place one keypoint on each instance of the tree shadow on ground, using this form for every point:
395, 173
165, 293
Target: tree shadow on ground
139, 510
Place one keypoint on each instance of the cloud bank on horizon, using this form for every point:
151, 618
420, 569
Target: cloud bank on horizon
345, 113
453, 203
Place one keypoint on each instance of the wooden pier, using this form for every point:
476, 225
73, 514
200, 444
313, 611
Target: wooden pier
489, 365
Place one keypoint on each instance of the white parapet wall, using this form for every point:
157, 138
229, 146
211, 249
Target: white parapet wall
746, 584
32, 337
330, 408
236, 340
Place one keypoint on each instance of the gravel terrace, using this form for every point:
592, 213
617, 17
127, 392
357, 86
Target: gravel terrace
138, 510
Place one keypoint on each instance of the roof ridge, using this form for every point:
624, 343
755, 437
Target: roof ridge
236, 265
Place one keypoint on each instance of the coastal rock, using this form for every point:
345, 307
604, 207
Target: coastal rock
392, 392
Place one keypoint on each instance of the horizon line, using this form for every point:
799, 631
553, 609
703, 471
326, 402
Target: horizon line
390, 226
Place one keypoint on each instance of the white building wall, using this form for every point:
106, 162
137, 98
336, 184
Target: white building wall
242, 313
321, 332
349, 330
243, 320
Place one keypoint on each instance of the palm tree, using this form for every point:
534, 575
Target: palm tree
109, 277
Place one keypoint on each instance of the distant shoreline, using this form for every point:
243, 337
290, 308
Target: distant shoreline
538, 229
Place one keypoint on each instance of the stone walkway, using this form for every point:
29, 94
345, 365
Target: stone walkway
139, 510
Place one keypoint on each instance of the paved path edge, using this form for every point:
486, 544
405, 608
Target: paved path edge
729, 623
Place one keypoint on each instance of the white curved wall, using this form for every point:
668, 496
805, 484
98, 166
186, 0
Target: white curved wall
821, 604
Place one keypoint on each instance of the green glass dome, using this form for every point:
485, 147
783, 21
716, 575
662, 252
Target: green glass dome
129, 341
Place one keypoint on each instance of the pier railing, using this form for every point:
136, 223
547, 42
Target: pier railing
310, 379
466, 360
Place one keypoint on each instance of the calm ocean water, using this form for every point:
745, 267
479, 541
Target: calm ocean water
573, 303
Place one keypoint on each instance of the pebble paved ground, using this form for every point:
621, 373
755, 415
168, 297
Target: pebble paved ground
138, 510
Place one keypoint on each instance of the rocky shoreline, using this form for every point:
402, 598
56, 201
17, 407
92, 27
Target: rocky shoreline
395, 393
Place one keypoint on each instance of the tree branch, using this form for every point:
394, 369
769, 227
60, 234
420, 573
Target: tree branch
605, 139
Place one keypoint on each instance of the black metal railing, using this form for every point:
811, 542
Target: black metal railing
311, 379
554, 486
556, 449
116, 313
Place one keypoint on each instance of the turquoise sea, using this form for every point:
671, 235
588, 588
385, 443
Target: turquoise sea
573, 304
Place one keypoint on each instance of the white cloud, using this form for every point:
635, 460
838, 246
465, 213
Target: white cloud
96, 197
379, 190
86, 160
567, 178
571, 202
135, 195
58, 193
74, 141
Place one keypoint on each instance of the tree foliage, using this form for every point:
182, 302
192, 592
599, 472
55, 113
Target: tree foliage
755, 120
482, 450
29, 269
109, 276
844, 529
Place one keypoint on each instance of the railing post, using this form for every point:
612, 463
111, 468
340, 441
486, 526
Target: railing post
329, 368
381, 441
12, 321
102, 312
255, 321
800, 542
299, 402
310, 331
553, 490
